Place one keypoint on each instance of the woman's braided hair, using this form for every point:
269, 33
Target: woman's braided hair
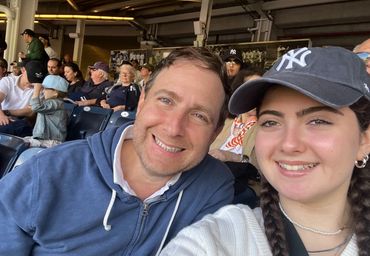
358, 196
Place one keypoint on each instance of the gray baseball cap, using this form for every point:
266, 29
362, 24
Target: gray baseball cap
333, 76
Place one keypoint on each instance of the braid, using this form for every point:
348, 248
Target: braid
273, 222
359, 193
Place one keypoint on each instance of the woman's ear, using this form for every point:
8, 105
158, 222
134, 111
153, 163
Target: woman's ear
365, 144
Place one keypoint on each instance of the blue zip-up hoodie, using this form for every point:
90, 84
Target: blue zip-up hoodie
55, 203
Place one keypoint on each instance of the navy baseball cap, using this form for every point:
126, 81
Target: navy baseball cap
333, 76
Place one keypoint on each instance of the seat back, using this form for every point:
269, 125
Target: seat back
10, 148
69, 107
86, 121
119, 118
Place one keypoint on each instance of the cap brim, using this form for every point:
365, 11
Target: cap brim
248, 95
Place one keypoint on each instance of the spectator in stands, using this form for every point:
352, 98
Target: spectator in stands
234, 63
133, 187
124, 95
51, 122
145, 70
67, 58
35, 49
135, 64
235, 143
3, 68
15, 69
312, 144
47, 47
54, 66
15, 94
92, 92
363, 51
74, 76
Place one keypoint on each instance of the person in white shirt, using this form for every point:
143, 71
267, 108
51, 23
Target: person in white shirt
312, 145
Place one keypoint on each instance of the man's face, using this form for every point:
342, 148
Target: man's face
26, 38
177, 119
53, 68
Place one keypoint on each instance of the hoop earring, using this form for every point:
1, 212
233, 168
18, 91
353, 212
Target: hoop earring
362, 163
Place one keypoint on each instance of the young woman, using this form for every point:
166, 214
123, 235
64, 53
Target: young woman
312, 145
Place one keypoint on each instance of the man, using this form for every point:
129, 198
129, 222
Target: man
363, 51
127, 190
15, 94
35, 49
54, 66
93, 90
145, 71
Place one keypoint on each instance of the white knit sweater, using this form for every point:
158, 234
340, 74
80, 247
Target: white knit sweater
234, 230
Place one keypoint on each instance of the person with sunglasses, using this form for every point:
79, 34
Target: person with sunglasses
363, 51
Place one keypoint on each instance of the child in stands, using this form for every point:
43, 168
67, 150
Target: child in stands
51, 123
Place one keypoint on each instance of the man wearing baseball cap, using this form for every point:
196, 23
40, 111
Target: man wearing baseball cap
51, 123
15, 94
93, 89
35, 48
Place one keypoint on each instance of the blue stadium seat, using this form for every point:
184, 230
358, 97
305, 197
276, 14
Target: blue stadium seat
119, 118
10, 148
87, 120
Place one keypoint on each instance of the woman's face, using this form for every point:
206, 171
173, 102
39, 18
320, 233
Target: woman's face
125, 75
307, 150
69, 74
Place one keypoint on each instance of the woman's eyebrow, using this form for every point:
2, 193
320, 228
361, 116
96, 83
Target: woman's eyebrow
317, 109
302, 112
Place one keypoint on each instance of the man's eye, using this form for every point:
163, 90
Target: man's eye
165, 100
201, 117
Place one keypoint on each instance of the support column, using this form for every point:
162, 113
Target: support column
24, 18
11, 45
201, 27
79, 41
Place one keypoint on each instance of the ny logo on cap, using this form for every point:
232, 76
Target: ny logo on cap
232, 51
39, 75
292, 57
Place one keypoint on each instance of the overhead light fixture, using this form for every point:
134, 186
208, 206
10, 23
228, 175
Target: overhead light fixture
73, 5
80, 17
76, 17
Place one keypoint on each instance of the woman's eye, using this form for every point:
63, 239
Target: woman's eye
319, 122
268, 123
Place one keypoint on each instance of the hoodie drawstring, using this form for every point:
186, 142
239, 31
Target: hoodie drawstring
108, 227
170, 223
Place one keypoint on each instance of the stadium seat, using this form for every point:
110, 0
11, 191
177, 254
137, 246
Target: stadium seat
87, 120
69, 107
119, 118
10, 148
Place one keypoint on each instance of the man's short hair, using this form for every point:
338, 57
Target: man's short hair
3, 63
59, 63
201, 57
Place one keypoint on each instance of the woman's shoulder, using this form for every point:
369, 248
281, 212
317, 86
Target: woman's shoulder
233, 229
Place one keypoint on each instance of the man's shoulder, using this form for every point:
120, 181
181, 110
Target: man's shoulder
8, 81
